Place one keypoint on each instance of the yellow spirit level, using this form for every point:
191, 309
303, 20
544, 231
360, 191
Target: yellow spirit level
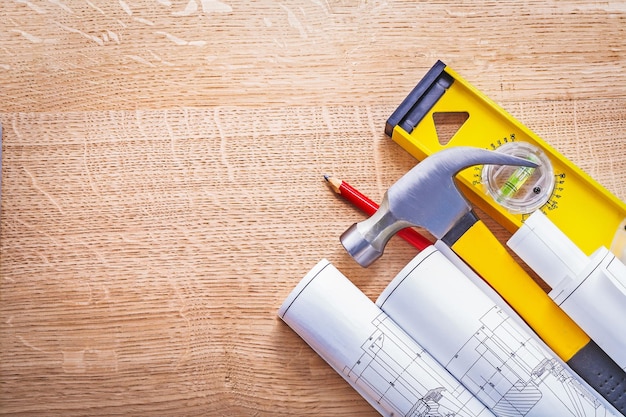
584, 210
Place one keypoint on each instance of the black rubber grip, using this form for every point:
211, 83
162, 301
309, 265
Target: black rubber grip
601, 373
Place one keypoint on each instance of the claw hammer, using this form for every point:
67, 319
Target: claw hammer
428, 197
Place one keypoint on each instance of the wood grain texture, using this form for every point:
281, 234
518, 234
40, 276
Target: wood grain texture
162, 186
159, 54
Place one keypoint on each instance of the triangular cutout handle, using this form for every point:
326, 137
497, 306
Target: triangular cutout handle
448, 123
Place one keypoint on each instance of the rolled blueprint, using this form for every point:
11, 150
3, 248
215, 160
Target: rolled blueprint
376, 357
481, 345
590, 289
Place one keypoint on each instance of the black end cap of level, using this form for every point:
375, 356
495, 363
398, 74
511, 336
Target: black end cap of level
408, 105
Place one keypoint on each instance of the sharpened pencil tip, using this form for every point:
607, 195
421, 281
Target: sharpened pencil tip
333, 182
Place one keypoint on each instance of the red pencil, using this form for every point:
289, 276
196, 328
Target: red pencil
369, 207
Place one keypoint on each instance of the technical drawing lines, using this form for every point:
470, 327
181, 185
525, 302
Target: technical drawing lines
511, 374
518, 400
579, 401
496, 364
406, 381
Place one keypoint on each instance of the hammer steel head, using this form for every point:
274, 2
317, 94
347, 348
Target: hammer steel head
426, 196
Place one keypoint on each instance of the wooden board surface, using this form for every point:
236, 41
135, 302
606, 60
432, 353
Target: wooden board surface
162, 184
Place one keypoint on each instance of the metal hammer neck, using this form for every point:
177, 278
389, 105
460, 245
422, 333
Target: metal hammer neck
459, 228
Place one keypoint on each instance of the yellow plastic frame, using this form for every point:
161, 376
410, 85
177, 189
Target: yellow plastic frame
584, 210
